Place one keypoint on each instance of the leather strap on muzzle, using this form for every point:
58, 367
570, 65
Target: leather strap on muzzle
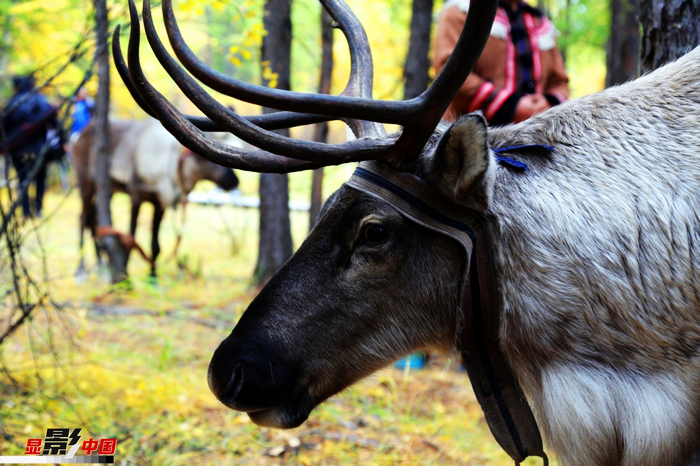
504, 405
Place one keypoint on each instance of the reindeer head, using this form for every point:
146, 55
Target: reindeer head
193, 168
369, 284
202, 168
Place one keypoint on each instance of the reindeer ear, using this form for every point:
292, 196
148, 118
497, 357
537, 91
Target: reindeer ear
462, 166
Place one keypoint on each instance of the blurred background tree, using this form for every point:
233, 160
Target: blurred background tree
321, 129
417, 66
116, 253
671, 29
622, 55
275, 231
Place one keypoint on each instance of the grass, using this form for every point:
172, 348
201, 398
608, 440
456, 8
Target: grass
130, 362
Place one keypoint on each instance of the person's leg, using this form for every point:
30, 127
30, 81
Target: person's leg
40, 183
22, 169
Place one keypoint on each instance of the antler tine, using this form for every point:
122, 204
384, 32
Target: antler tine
123, 71
435, 100
360, 108
191, 137
270, 121
466, 53
361, 79
266, 140
195, 140
361, 65
282, 120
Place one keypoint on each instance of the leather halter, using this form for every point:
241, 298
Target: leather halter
505, 407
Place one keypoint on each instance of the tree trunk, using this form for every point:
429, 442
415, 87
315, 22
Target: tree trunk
671, 29
115, 252
275, 231
321, 129
623, 44
416, 68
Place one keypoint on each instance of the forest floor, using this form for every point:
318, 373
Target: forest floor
130, 362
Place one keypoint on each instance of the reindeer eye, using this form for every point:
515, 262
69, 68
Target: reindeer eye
374, 234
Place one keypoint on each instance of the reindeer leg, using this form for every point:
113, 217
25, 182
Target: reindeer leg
80, 273
85, 220
158, 212
92, 222
136, 202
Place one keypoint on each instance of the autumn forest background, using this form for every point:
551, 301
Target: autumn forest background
128, 360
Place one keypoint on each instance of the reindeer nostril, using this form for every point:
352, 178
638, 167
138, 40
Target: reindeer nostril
245, 377
225, 382
234, 385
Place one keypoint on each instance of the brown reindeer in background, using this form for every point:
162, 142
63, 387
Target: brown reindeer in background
576, 280
149, 165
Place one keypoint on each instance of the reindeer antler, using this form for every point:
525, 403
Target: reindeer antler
419, 116
277, 120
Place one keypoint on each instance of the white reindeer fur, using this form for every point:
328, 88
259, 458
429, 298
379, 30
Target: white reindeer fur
598, 259
594, 405
147, 159
600, 249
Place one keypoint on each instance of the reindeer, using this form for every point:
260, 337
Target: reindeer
149, 165
569, 278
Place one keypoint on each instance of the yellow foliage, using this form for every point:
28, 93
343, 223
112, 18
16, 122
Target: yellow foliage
254, 35
270, 76
217, 5
189, 6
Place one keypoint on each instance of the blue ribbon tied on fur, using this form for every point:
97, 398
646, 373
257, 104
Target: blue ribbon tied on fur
517, 164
